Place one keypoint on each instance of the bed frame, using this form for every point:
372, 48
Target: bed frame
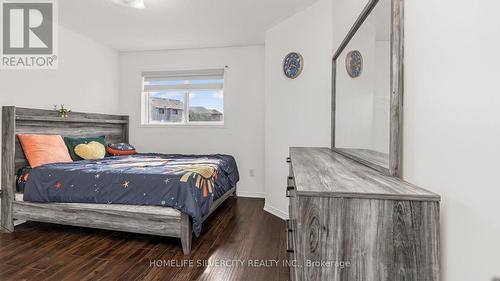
162, 221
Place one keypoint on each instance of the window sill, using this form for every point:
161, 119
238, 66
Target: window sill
170, 126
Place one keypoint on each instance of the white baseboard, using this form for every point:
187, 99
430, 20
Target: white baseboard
240, 193
275, 211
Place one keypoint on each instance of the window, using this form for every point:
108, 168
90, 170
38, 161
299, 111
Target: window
183, 97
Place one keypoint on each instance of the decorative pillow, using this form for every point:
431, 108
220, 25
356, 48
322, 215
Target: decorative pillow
71, 143
90, 151
22, 177
120, 149
44, 149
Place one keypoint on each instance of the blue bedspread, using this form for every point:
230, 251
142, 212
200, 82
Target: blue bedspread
188, 183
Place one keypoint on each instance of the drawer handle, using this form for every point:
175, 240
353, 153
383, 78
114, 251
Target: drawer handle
288, 160
290, 251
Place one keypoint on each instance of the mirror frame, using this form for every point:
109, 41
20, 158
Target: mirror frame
397, 86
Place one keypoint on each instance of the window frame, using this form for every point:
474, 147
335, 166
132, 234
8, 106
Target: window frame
145, 106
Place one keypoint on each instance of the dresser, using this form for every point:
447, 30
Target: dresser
349, 222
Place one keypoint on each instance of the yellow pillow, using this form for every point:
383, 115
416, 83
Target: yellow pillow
90, 151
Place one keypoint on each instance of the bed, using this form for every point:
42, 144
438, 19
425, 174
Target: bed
128, 193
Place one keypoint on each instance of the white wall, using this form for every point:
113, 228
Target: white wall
297, 111
243, 134
86, 80
452, 122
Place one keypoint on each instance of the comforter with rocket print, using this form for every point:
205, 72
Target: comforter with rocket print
188, 183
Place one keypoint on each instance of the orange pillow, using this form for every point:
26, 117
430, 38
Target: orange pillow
44, 149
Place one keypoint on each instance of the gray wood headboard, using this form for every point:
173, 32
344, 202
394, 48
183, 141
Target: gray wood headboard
16, 120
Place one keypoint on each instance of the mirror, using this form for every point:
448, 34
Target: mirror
367, 74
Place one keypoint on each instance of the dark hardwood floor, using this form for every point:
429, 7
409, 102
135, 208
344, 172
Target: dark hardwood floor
239, 242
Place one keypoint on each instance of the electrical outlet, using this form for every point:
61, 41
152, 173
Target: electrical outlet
251, 172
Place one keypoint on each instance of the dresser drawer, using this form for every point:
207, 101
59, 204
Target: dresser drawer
289, 237
292, 212
290, 187
291, 246
290, 183
290, 180
291, 267
290, 169
291, 194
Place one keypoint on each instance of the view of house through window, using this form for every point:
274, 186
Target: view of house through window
183, 97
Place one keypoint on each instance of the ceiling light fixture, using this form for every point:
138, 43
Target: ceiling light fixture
138, 4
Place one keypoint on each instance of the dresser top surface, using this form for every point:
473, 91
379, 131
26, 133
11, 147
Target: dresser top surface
323, 172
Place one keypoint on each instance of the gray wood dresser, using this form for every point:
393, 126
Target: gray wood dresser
349, 222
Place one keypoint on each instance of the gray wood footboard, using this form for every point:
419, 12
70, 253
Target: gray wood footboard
152, 220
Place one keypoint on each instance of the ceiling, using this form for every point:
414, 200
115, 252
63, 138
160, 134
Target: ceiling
175, 24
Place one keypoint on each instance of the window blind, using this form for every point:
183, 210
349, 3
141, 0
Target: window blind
206, 79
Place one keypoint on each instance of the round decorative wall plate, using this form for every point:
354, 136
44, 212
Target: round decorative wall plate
354, 63
292, 65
